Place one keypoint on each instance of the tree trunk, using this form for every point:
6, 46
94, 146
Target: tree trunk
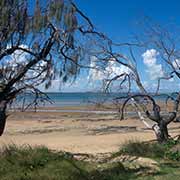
161, 132
2, 116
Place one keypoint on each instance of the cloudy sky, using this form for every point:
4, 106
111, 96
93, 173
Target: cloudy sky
118, 19
150, 70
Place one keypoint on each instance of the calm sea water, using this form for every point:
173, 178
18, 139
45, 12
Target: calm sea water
71, 99
75, 99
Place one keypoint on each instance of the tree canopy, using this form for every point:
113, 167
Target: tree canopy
38, 45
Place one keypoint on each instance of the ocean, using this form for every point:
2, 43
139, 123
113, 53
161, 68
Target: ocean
62, 99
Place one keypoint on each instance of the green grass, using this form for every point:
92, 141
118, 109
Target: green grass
40, 163
27, 163
151, 150
136, 148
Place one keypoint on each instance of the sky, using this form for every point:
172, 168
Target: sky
119, 20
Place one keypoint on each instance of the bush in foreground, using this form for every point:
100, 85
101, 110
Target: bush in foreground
40, 163
152, 150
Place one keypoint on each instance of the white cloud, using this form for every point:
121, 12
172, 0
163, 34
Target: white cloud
150, 60
176, 64
95, 74
112, 69
150, 57
20, 59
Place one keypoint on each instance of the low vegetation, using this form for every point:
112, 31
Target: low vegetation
27, 163
169, 150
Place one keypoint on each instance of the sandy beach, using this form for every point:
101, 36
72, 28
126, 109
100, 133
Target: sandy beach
77, 132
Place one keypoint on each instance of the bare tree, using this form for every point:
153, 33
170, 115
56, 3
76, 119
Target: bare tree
144, 102
38, 46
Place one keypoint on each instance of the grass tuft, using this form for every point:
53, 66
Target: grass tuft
151, 150
40, 163
20, 163
143, 149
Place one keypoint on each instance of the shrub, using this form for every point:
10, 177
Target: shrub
153, 150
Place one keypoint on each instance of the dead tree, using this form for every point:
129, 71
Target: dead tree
161, 121
131, 75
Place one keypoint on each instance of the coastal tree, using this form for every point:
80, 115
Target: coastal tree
128, 78
39, 42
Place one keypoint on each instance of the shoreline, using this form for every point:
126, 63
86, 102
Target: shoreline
76, 132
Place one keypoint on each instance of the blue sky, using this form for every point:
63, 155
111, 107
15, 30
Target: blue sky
119, 20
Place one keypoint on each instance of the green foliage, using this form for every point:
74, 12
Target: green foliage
175, 156
136, 148
173, 150
56, 9
27, 163
33, 28
39, 163
153, 150
15, 18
